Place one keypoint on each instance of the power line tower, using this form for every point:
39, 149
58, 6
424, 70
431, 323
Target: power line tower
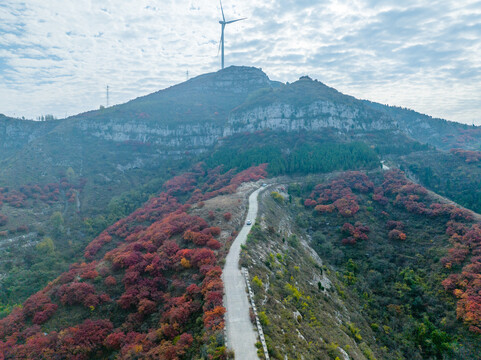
107, 96
187, 75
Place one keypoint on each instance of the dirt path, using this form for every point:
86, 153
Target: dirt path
241, 337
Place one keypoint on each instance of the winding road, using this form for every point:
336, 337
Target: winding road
241, 336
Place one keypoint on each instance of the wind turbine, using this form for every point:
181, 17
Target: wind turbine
223, 24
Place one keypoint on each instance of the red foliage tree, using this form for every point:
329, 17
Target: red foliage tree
110, 281
214, 319
396, 235
77, 293
227, 216
467, 155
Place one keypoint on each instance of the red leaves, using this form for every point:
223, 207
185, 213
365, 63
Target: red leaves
228, 182
149, 246
181, 184
171, 225
214, 231
347, 229
97, 244
466, 286
49, 193
203, 257
85, 338
310, 203
355, 233
395, 228
40, 307
396, 235
196, 237
413, 198
90, 274
214, 244
168, 351
147, 307
254, 173
110, 281
114, 340
177, 310
77, 293
47, 312
214, 319
80, 342
456, 256
379, 197
227, 216
467, 155
325, 208
391, 224
126, 259
347, 206
338, 194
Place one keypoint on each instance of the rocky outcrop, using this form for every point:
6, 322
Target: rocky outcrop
16, 133
193, 116
188, 136
314, 117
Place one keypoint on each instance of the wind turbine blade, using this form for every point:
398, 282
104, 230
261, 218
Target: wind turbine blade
233, 21
222, 9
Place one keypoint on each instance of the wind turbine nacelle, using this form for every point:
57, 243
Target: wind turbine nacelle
222, 22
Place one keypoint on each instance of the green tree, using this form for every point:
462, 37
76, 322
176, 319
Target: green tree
70, 173
56, 224
46, 246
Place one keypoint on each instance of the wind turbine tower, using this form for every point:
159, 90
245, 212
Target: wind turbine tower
223, 23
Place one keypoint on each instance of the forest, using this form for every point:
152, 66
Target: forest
399, 269
149, 285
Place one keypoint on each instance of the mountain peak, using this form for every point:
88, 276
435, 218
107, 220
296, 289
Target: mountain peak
237, 79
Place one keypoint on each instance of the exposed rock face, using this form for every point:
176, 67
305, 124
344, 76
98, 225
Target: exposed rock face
227, 90
15, 133
184, 136
314, 117
192, 117
283, 117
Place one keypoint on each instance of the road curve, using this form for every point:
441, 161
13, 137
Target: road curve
241, 336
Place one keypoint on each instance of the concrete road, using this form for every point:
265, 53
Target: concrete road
241, 336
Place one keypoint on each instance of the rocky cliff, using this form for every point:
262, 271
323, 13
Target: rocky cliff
16, 133
191, 118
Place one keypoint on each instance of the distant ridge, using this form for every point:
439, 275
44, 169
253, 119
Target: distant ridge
190, 118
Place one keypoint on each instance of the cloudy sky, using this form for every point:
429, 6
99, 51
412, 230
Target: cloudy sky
57, 56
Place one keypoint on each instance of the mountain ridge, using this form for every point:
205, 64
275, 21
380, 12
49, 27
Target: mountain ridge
190, 118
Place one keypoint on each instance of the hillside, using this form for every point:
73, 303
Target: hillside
369, 266
115, 223
441, 133
364, 266
16, 133
149, 287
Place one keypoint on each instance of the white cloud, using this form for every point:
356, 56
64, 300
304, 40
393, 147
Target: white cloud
57, 56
